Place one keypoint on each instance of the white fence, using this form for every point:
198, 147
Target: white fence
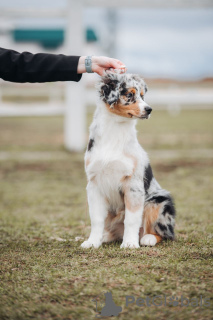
168, 98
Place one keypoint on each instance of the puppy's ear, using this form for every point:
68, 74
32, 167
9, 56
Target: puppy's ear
140, 80
108, 89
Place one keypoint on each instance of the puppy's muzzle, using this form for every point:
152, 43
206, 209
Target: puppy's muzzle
148, 110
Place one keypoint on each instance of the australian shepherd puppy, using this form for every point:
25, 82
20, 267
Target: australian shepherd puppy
125, 200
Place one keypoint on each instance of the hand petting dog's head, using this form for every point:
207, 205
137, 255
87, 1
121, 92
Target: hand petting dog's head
123, 95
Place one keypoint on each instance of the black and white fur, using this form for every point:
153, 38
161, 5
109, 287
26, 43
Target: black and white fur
125, 200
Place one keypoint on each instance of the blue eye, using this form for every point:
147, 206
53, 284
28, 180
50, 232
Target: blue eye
130, 95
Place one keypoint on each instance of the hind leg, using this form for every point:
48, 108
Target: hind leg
159, 220
114, 227
150, 239
148, 236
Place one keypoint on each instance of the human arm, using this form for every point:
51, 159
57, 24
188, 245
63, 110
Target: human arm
46, 67
40, 67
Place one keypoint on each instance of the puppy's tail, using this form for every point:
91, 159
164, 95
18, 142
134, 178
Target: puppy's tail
165, 222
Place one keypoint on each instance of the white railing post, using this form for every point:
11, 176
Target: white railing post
75, 111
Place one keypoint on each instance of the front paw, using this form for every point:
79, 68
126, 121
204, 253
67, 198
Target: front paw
88, 244
129, 244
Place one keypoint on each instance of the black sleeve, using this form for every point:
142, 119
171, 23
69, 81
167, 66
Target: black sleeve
40, 67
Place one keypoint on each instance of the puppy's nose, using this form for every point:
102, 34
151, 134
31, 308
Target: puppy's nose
148, 109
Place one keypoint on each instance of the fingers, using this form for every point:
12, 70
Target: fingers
117, 64
120, 70
105, 64
102, 71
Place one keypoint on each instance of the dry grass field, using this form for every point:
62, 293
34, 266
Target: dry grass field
44, 272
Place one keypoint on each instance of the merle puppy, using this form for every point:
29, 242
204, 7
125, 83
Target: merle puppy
125, 200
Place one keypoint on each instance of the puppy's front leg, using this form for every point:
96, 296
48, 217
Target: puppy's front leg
134, 204
98, 213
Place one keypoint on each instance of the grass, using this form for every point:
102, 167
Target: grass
44, 272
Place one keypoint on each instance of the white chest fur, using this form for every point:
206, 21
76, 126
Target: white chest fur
111, 157
108, 174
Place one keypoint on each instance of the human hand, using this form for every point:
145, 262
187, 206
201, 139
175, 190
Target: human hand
101, 64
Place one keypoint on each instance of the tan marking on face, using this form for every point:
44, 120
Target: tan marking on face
142, 92
125, 111
132, 90
124, 96
150, 216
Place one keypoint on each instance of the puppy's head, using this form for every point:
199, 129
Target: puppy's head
123, 95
